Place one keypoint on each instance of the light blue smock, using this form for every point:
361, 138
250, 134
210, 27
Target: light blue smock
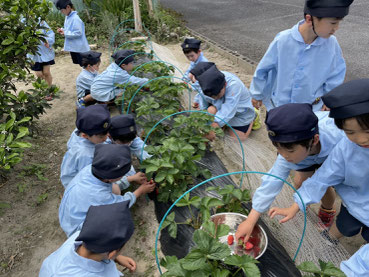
82, 192
74, 33
346, 168
329, 136
292, 71
103, 87
234, 107
358, 264
79, 154
44, 54
195, 86
135, 148
84, 82
65, 262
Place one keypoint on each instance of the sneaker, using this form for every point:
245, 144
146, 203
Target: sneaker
328, 239
256, 125
326, 217
80, 103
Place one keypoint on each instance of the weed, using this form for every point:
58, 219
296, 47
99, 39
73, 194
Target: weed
42, 198
3, 207
34, 169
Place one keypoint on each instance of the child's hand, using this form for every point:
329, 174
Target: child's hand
210, 136
245, 228
195, 105
126, 262
145, 188
139, 178
116, 189
60, 31
192, 77
288, 213
47, 44
257, 103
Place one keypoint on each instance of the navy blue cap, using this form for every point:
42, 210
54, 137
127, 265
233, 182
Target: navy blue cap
291, 122
122, 124
123, 57
91, 56
111, 161
107, 227
62, 4
201, 67
327, 8
211, 81
93, 120
191, 43
349, 99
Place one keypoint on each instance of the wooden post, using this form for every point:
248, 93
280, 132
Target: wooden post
137, 14
150, 6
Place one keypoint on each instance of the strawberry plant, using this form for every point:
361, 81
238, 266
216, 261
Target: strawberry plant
327, 269
210, 257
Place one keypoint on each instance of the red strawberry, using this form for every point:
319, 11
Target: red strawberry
230, 240
248, 245
254, 240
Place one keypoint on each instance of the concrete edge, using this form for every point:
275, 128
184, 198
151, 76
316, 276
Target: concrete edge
241, 60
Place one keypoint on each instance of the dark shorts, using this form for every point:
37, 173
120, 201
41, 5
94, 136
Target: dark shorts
76, 57
243, 129
310, 168
349, 226
40, 66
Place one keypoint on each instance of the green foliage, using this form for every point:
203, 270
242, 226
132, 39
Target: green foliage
21, 35
231, 199
42, 198
34, 169
3, 207
210, 257
327, 269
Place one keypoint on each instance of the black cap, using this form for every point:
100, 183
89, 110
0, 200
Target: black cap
93, 120
291, 122
191, 43
201, 67
122, 124
111, 161
62, 4
123, 56
91, 56
107, 227
349, 99
211, 81
327, 8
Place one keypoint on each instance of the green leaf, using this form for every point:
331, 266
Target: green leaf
221, 273
251, 270
8, 41
151, 168
24, 119
308, 267
172, 230
160, 176
23, 131
194, 260
237, 193
20, 145
180, 159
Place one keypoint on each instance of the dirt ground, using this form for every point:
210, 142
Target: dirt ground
30, 197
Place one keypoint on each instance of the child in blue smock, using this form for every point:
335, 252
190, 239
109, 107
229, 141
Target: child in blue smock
123, 131
93, 123
304, 142
191, 49
73, 31
93, 186
303, 63
346, 167
224, 95
358, 264
94, 251
90, 62
104, 88
45, 55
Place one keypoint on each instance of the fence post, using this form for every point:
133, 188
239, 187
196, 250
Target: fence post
137, 15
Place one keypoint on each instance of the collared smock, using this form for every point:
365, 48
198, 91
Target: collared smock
65, 262
235, 106
358, 264
45, 54
346, 169
292, 71
84, 82
79, 154
74, 33
103, 87
82, 192
329, 136
136, 147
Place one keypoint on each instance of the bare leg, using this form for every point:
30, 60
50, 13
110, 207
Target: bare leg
243, 136
328, 199
47, 75
334, 233
300, 177
39, 74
